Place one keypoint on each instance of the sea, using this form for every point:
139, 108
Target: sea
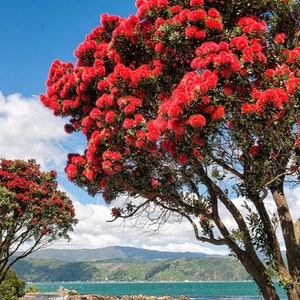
194, 290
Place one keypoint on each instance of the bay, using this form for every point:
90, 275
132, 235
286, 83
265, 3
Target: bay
193, 290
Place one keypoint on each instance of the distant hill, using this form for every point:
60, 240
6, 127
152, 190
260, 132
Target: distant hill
73, 255
127, 264
128, 270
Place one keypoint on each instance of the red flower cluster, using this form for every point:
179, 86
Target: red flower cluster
217, 56
35, 203
160, 82
252, 25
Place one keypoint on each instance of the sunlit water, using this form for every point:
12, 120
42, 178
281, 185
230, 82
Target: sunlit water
193, 290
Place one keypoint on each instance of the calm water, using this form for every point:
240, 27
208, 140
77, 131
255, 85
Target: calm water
193, 290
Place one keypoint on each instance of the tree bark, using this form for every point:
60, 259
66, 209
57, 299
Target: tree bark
288, 230
257, 270
290, 239
295, 292
247, 257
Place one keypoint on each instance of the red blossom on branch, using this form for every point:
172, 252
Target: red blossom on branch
32, 210
197, 91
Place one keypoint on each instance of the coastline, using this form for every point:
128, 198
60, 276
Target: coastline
137, 297
54, 296
155, 290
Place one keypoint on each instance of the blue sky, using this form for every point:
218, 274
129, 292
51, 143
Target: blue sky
33, 34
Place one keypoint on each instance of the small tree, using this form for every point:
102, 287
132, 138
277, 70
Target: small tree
11, 288
33, 212
192, 107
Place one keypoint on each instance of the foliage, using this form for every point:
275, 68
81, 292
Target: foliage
11, 288
33, 212
157, 269
191, 108
32, 289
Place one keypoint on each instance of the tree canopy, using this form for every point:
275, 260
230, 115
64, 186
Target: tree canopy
12, 288
191, 107
33, 211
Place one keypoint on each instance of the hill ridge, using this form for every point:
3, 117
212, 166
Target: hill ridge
110, 252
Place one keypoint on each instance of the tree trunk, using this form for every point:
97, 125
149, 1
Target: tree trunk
288, 231
295, 292
290, 235
257, 270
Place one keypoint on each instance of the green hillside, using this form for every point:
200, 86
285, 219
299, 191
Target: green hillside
178, 269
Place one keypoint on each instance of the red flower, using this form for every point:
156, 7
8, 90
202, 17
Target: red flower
87, 122
214, 24
43, 231
153, 135
197, 121
248, 108
227, 90
240, 42
174, 111
130, 140
116, 212
71, 171
196, 15
297, 143
202, 218
129, 123
69, 128
279, 38
155, 183
129, 109
78, 160
198, 141
175, 9
138, 119
213, 13
201, 34
117, 168
254, 150
96, 113
159, 47
140, 143
89, 173
177, 125
292, 84
182, 159
197, 154
110, 116
218, 113
196, 2
34, 221
108, 167
191, 31
206, 99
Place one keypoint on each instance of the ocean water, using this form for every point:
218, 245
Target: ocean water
193, 290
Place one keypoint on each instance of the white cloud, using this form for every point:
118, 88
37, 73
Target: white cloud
93, 231
189, 247
29, 130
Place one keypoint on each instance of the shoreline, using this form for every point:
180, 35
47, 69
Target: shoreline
125, 297
59, 296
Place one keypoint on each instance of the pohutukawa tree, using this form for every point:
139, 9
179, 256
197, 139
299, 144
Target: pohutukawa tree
192, 107
33, 212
